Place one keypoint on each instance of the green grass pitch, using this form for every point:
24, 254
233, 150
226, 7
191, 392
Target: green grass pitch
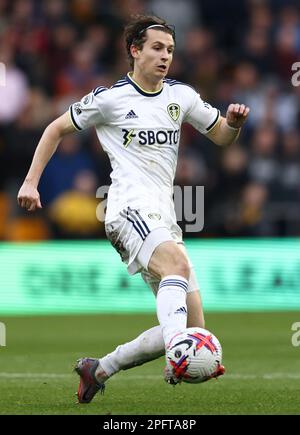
262, 367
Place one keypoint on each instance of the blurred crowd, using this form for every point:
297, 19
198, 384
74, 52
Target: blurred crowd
56, 51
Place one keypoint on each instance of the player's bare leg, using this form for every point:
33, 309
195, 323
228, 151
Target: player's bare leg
171, 266
195, 311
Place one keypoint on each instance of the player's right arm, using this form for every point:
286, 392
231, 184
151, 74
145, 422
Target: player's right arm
28, 196
93, 109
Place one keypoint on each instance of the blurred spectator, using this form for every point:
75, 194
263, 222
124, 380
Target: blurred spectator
62, 170
22, 136
202, 61
61, 42
287, 40
124, 10
15, 90
82, 11
78, 76
256, 49
232, 175
27, 229
246, 216
290, 168
227, 20
54, 11
183, 14
252, 216
271, 105
191, 170
73, 213
4, 213
264, 165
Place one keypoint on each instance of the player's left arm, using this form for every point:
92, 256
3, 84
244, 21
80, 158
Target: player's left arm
227, 130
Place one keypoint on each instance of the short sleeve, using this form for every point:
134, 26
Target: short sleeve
90, 110
202, 115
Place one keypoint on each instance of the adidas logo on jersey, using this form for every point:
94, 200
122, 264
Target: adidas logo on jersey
131, 115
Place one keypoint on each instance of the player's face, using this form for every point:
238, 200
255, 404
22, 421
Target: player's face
156, 55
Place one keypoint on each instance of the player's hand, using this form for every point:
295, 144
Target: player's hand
236, 115
29, 197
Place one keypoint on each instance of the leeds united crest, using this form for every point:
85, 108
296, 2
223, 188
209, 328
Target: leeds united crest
174, 111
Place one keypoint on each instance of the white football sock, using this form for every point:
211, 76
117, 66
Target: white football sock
146, 347
171, 305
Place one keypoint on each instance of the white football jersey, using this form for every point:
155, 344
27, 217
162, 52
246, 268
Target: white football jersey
140, 132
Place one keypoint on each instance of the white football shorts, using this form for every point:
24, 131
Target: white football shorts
135, 234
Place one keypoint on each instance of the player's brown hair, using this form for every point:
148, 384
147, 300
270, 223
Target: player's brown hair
135, 31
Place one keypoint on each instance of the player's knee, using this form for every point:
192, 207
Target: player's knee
169, 260
183, 268
177, 265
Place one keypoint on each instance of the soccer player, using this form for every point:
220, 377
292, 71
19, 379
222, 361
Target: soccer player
138, 122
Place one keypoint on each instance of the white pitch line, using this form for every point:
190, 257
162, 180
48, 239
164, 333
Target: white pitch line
34, 375
37, 376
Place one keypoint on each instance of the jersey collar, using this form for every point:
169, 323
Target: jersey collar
141, 90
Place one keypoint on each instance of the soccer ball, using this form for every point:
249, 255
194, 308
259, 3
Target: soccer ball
194, 356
